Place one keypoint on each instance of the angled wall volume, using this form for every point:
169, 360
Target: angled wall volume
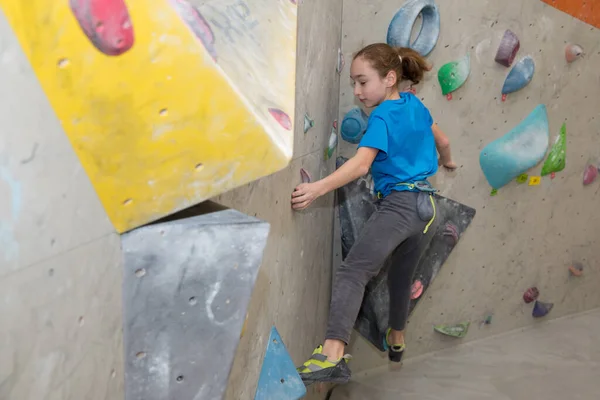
165, 104
186, 288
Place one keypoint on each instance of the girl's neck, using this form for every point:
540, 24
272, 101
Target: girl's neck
393, 95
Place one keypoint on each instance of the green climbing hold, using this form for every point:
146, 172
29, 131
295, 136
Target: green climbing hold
557, 158
454, 74
494, 192
458, 330
522, 178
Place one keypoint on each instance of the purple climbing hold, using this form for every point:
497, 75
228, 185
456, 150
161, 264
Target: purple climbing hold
507, 51
541, 309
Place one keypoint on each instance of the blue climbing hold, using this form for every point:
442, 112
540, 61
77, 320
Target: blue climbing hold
519, 76
400, 29
354, 125
519, 150
278, 376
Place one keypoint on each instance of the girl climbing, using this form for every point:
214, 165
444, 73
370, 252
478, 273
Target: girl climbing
399, 147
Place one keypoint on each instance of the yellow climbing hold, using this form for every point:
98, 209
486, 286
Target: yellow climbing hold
535, 180
183, 112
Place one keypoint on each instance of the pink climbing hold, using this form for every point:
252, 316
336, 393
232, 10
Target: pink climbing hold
305, 176
573, 52
106, 23
281, 117
576, 269
452, 231
417, 290
507, 51
590, 173
531, 294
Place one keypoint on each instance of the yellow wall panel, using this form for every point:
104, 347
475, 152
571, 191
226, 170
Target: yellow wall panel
165, 111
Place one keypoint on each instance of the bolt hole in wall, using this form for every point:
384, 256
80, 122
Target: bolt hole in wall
179, 378
63, 63
164, 112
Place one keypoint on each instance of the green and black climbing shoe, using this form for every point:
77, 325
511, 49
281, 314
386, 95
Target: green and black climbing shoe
395, 351
319, 369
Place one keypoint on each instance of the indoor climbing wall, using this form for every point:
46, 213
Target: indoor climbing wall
117, 114
166, 104
514, 86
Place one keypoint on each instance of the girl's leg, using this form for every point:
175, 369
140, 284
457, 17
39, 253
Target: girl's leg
400, 278
393, 222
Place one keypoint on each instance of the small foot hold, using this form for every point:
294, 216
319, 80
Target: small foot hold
541, 309
449, 96
457, 330
590, 173
576, 269
531, 294
573, 52
535, 180
416, 290
494, 192
308, 123
340, 63
452, 231
305, 176
504, 97
522, 178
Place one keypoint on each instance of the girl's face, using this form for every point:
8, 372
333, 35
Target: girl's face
369, 87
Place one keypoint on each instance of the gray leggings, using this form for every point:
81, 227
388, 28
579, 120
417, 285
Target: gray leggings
396, 222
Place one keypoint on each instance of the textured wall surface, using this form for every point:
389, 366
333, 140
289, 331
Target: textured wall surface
293, 285
526, 235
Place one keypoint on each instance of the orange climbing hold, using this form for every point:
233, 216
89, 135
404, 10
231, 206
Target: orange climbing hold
587, 11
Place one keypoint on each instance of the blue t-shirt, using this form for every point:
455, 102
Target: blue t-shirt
401, 131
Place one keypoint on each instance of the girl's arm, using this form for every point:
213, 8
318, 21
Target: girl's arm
443, 147
352, 169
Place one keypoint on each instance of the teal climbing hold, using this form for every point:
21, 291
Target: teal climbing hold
278, 377
400, 28
354, 125
522, 148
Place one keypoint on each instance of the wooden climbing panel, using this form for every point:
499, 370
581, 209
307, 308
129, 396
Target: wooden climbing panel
587, 11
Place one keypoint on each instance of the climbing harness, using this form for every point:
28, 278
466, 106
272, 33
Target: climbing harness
422, 186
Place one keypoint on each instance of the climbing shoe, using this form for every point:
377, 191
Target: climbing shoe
395, 351
319, 369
